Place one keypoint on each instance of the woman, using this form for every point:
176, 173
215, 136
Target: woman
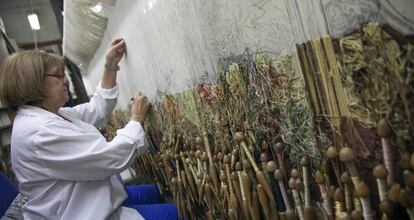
64, 166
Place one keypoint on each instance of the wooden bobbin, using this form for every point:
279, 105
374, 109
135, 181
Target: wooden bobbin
380, 173
332, 154
347, 156
363, 192
346, 180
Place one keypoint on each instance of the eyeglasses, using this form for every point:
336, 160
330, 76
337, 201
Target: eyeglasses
59, 76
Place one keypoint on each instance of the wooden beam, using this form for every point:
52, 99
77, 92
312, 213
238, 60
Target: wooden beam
31, 45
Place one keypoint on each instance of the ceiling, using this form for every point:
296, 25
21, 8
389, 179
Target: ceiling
49, 37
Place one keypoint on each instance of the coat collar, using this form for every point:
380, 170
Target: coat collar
30, 110
34, 111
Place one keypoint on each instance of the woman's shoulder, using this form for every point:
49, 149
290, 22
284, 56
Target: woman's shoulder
25, 129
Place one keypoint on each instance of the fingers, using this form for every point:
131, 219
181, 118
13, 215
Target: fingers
142, 97
139, 96
140, 107
147, 105
116, 41
115, 51
118, 45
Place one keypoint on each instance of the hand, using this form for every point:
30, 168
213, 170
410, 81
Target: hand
140, 106
115, 52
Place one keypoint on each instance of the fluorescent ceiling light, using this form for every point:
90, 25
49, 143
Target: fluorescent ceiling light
34, 21
97, 8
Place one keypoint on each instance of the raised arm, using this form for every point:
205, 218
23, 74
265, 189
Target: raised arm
104, 100
114, 54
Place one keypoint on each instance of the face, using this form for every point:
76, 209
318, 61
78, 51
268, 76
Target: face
56, 89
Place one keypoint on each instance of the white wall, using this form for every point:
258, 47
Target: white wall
173, 45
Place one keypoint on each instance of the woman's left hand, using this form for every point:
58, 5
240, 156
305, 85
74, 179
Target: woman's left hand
115, 52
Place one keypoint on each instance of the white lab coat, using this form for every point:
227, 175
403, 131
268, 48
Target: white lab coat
66, 169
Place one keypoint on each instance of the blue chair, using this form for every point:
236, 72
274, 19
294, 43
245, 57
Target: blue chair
144, 198
142, 194
7, 193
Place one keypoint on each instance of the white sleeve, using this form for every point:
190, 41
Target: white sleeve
97, 110
68, 154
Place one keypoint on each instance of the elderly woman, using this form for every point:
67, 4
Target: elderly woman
64, 166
